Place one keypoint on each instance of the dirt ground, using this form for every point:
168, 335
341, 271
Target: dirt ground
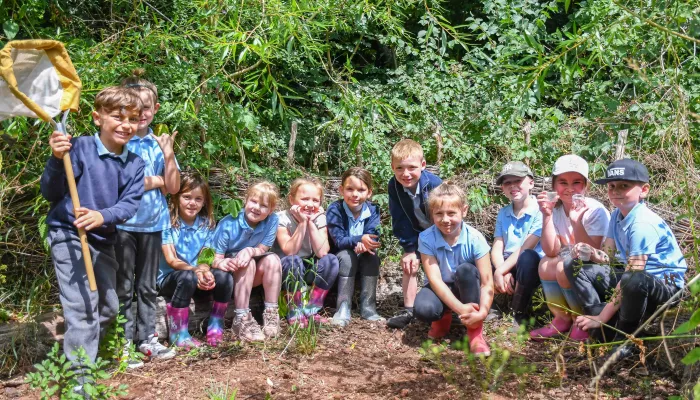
368, 361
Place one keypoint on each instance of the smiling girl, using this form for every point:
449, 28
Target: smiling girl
241, 244
181, 276
302, 242
565, 223
353, 224
456, 262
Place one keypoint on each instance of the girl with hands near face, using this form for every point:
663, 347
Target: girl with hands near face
353, 225
184, 270
302, 243
569, 219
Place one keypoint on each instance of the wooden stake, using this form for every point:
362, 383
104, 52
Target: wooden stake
620, 146
292, 143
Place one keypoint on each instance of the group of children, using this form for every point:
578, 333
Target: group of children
144, 246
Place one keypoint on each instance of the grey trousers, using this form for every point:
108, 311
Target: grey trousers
87, 314
138, 255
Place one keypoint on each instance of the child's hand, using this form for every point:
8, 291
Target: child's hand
205, 279
318, 212
60, 144
228, 265
588, 322
410, 263
88, 219
576, 215
503, 283
301, 218
470, 315
243, 257
166, 143
370, 243
546, 206
360, 248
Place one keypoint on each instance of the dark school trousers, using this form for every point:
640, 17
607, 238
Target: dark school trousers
322, 272
466, 287
181, 286
138, 254
351, 263
641, 293
87, 314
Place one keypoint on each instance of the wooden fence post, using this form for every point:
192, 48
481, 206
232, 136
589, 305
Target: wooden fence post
438, 141
620, 146
292, 142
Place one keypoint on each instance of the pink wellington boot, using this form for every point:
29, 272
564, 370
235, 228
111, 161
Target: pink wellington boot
554, 328
477, 343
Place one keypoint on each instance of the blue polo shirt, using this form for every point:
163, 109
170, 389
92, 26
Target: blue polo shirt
188, 241
643, 232
514, 230
234, 234
357, 226
152, 215
471, 246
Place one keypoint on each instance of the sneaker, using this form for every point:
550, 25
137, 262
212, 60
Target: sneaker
271, 323
400, 320
132, 361
441, 327
247, 329
154, 350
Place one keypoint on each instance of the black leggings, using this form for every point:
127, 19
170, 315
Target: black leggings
467, 287
181, 286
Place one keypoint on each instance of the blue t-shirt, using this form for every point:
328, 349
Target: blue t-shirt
152, 215
514, 230
471, 246
188, 241
643, 232
234, 234
357, 226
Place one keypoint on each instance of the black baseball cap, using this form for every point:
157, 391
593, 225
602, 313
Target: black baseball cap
514, 168
625, 170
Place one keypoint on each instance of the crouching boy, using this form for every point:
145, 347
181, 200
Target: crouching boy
655, 266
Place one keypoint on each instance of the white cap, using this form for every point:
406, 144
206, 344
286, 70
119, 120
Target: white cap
571, 163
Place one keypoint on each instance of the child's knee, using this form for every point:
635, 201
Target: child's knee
426, 310
328, 264
467, 272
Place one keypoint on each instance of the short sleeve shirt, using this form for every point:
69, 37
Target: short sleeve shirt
471, 246
152, 215
514, 230
234, 234
286, 220
595, 221
188, 240
643, 232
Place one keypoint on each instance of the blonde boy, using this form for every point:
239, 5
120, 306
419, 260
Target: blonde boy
410, 215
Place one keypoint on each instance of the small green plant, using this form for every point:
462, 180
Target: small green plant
113, 344
55, 376
217, 391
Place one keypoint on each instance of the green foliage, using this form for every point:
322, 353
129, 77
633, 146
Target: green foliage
55, 377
